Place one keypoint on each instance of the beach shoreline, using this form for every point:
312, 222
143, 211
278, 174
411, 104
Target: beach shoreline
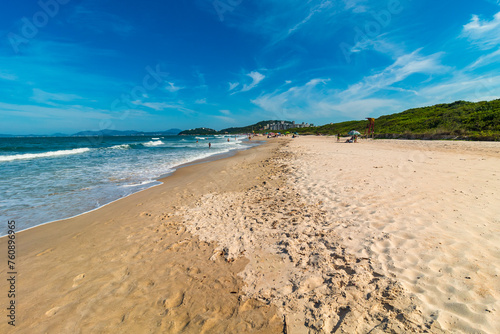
158, 181
75, 266
287, 236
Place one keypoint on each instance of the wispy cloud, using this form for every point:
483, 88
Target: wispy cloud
159, 106
225, 112
485, 60
41, 96
317, 9
54, 113
233, 85
357, 6
401, 69
483, 33
317, 98
256, 79
8, 76
172, 88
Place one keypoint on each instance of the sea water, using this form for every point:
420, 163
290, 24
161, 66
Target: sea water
50, 178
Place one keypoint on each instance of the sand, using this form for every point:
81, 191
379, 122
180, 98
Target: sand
131, 267
298, 236
425, 212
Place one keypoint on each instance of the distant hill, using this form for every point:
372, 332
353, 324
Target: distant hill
234, 130
457, 120
199, 131
249, 128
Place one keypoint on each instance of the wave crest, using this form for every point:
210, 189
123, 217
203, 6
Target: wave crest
43, 155
153, 143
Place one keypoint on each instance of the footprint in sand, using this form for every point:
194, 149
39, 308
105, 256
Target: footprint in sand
173, 300
77, 279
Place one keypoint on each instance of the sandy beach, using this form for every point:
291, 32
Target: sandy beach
304, 235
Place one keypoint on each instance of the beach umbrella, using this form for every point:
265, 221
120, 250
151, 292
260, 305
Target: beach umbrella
353, 133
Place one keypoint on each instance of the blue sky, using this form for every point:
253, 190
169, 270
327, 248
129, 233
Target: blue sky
72, 65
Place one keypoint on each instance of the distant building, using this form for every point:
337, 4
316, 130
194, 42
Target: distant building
282, 125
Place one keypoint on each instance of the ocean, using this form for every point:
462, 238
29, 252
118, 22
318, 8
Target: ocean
51, 178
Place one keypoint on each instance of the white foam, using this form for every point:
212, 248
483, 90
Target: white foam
139, 184
121, 147
43, 155
154, 143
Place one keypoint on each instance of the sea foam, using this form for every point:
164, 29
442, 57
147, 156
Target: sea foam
43, 155
154, 143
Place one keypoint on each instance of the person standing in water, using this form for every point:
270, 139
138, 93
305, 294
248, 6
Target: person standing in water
209, 145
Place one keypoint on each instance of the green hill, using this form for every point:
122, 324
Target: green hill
248, 129
199, 131
457, 120
235, 130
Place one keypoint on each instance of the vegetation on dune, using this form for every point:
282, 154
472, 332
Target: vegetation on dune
457, 120
199, 131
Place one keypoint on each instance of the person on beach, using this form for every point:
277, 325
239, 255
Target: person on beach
228, 140
338, 136
209, 145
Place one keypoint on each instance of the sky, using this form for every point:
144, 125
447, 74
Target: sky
74, 65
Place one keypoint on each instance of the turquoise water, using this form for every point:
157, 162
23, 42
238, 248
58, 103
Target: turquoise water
47, 179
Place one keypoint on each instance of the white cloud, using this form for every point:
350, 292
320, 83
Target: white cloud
225, 112
256, 79
41, 96
315, 99
233, 85
463, 87
159, 106
172, 88
8, 76
201, 101
483, 33
357, 6
485, 60
62, 112
402, 68
226, 119
312, 12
